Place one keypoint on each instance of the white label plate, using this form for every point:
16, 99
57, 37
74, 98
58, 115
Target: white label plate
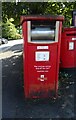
73, 38
42, 56
42, 47
71, 45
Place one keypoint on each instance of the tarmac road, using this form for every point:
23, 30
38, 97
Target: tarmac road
14, 104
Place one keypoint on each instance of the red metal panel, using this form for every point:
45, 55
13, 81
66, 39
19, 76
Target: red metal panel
68, 48
41, 17
36, 69
26, 89
58, 57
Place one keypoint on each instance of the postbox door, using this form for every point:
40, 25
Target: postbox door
42, 70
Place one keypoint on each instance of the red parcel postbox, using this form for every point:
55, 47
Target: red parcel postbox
41, 54
68, 48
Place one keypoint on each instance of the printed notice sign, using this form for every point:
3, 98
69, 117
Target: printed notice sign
42, 56
71, 45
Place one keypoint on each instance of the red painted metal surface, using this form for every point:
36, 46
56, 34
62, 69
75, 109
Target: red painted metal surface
40, 77
68, 48
41, 17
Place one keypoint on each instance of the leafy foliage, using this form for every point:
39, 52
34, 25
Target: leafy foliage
9, 31
13, 10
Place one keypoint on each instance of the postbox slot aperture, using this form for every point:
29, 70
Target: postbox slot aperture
39, 31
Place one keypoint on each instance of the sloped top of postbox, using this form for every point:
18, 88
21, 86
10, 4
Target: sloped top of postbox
41, 17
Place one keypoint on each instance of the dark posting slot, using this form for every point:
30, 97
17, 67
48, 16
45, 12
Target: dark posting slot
43, 31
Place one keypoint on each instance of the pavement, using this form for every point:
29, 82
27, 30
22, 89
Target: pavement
5, 47
14, 103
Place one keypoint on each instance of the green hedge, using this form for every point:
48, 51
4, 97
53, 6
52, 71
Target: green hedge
9, 30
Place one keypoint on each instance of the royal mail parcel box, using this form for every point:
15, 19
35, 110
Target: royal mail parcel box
41, 54
68, 48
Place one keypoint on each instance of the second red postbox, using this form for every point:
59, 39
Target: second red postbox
68, 48
41, 54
